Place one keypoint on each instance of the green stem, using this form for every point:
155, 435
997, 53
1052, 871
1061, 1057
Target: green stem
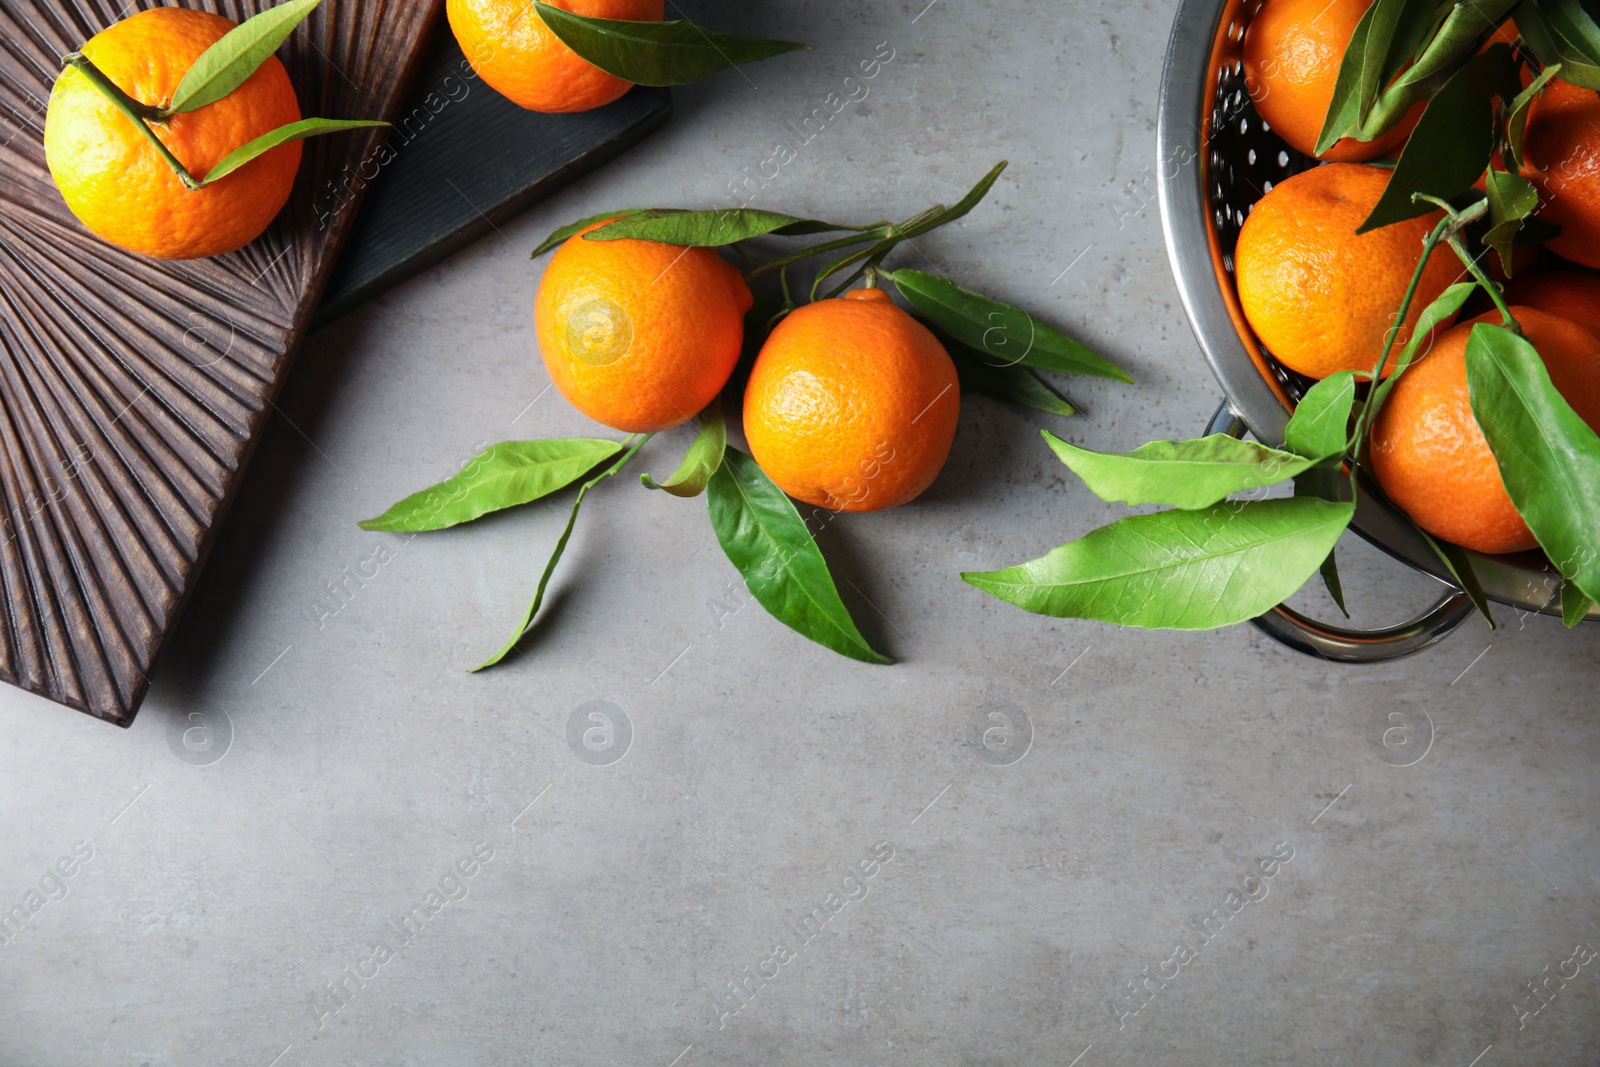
1411, 292
1367, 414
792, 258
868, 271
1458, 220
1448, 229
788, 301
854, 276
788, 297
1482, 279
139, 114
885, 236
917, 225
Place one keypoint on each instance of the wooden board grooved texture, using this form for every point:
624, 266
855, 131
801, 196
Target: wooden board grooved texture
131, 389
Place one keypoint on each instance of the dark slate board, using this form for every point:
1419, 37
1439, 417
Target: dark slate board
462, 158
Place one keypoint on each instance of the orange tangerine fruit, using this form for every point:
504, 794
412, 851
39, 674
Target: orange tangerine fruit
1292, 51
512, 49
852, 404
1429, 453
1319, 296
115, 181
636, 334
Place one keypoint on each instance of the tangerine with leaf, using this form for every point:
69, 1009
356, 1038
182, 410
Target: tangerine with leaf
120, 188
851, 403
574, 55
1431, 456
1292, 52
512, 49
175, 133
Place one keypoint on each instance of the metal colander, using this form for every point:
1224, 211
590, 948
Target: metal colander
1217, 158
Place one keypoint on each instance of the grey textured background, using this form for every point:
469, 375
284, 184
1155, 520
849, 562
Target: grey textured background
359, 763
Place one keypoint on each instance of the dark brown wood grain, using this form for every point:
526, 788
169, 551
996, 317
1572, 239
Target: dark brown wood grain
131, 389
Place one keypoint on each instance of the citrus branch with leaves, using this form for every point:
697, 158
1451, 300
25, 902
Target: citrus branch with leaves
998, 350
1214, 561
220, 70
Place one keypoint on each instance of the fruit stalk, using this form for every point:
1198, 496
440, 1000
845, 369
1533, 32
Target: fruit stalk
1394, 329
872, 233
137, 113
918, 224
1483, 281
1447, 229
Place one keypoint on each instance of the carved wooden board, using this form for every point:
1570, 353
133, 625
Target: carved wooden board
131, 390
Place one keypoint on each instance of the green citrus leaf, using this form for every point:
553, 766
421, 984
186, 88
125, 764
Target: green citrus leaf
1409, 46
1012, 385
919, 224
657, 53
1517, 121
1459, 564
1009, 335
1385, 38
1330, 580
1185, 474
555, 557
765, 538
1574, 604
1346, 108
915, 226
710, 229
1552, 49
1179, 570
1512, 198
962, 207
294, 131
226, 65
1323, 482
1463, 29
701, 461
1320, 425
1576, 26
1452, 142
501, 476
561, 233
1548, 456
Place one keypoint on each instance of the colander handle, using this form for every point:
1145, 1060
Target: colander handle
1288, 627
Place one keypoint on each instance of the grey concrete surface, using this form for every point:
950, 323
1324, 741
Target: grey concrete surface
1025, 899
